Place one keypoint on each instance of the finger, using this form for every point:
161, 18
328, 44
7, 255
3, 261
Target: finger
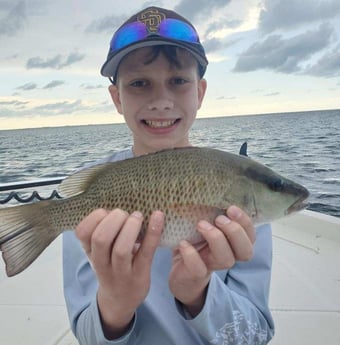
192, 260
87, 226
237, 237
219, 254
104, 236
124, 246
151, 240
239, 216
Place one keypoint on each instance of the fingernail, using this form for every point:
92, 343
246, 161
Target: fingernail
184, 244
137, 214
204, 225
223, 220
234, 212
158, 218
157, 221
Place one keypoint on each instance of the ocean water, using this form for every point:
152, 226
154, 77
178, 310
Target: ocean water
303, 146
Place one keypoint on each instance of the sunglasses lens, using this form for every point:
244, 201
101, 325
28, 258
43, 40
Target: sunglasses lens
168, 28
128, 34
177, 30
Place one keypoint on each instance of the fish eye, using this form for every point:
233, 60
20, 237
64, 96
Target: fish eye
276, 185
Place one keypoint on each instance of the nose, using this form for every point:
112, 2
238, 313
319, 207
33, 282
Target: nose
161, 100
161, 105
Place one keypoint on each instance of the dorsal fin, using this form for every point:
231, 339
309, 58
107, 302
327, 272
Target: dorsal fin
80, 181
243, 149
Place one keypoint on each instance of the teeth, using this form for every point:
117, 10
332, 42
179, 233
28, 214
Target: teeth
160, 124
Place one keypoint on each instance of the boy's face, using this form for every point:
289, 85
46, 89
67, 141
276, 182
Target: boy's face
159, 102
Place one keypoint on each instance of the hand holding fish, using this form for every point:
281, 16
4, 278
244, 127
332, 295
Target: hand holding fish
229, 241
122, 269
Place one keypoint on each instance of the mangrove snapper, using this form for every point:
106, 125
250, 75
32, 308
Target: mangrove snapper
187, 184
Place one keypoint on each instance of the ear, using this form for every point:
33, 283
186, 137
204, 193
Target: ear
201, 88
114, 92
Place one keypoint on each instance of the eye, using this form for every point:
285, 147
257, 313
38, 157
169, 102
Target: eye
178, 81
276, 185
139, 83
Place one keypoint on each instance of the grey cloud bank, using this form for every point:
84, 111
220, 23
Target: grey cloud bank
14, 19
199, 8
56, 62
288, 14
284, 55
53, 84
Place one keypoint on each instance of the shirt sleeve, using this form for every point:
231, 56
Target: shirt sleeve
236, 310
80, 283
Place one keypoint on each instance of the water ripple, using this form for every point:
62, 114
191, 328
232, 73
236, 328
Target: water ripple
302, 146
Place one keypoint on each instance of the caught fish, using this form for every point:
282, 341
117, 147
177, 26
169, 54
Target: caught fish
187, 184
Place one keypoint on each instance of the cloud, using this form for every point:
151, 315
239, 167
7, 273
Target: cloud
271, 94
91, 86
32, 86
6, 5
12, 57
221, 98
37, 62
15, 108
27, 86
15, 19
72, 58
14, 103
257, 91
56, 62
287, 14
284, 55
64, 107
327, 66
212, 44
53, 84
12, 106
222, 24
105, 24
47, 109
199, 8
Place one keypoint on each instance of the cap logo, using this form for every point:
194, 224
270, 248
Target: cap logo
151, 18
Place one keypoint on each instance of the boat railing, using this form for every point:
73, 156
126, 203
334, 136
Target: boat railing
34, 195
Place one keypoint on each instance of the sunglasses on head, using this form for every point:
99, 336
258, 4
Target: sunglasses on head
168, 28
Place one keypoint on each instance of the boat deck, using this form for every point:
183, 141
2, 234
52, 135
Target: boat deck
305, 293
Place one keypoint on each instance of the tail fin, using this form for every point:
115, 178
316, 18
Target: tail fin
24, 233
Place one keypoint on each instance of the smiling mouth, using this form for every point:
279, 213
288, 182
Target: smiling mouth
160, 124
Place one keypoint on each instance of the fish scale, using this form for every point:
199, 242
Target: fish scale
187, 184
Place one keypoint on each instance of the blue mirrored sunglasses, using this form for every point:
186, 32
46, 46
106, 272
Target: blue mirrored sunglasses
168, 28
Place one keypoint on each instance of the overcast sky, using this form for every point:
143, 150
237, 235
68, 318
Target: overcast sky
266, 56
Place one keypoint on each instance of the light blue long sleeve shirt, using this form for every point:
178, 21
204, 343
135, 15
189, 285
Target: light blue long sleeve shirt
236, 309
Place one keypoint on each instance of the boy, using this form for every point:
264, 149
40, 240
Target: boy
118, 292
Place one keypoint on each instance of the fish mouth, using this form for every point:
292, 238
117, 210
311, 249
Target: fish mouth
160, 124
298, 205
